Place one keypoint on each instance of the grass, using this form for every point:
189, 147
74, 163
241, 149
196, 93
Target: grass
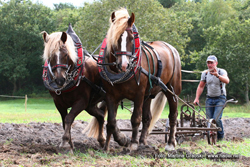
229, 147
99, 158
44, 110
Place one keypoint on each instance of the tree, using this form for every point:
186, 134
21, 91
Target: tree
20, 41
191, 11
168, 3
214, 12
156, 23
232, 39
227, 37
63, 16
61, 6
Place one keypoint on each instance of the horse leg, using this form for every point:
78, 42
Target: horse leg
63, 112
111, 121
120, 138
146, 119
68, 120
111, 126
173, 113
99, 114
135, 121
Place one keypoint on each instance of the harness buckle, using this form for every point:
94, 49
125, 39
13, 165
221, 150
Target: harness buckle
58, 92
45, 74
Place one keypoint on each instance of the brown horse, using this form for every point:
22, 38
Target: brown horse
138, 71
73, 81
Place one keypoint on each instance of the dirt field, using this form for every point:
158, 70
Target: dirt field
29, 144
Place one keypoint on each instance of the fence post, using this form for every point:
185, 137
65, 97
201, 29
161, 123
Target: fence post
26, 98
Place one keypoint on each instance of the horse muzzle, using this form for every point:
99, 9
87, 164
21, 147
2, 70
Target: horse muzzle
60, 81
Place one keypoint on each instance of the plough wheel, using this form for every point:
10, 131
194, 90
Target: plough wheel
211, 137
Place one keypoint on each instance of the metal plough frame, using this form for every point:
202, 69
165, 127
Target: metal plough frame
198, 125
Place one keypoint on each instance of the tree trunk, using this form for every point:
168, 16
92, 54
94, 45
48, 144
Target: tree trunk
14, 87
246, 93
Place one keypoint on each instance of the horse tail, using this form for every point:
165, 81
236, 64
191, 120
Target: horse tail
92, 130
156, 108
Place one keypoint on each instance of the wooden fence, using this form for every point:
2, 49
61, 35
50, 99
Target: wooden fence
18, 97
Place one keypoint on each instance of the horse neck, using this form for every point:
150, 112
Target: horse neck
91, 70
112, 59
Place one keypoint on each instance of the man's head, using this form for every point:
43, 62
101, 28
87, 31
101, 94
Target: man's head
212, 62
212, 58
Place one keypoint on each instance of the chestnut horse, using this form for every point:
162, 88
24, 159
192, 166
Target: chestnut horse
138, 71
72, 80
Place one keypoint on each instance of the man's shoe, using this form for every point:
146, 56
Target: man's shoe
219, 139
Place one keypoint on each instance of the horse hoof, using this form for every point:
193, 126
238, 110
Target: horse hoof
141, 144
106, 148
62, 144
71, 152
66, 150
102, 142
134, 146
128, 142
169, 147
66, 147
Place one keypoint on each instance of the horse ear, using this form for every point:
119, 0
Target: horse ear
45, 36
64, 37
113, 17
131, 20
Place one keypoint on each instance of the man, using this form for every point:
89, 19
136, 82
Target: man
216, 80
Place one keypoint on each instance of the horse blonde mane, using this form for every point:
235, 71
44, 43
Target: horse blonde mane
117, 27
53, 44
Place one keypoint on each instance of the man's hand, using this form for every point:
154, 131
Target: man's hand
214, 72
196, 102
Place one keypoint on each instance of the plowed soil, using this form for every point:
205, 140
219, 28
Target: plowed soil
37, 144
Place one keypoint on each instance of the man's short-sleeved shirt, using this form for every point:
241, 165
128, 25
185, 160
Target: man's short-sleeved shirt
213, 83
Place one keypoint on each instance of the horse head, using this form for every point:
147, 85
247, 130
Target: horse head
60, 54
121, 39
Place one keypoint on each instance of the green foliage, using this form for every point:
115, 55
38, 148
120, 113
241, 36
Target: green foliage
62, 6
196, 28
169, 3
64, 16
232, 39
156, 23
214, 12
220, 28
20, 42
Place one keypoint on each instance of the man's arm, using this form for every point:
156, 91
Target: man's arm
199, 91
223, 78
